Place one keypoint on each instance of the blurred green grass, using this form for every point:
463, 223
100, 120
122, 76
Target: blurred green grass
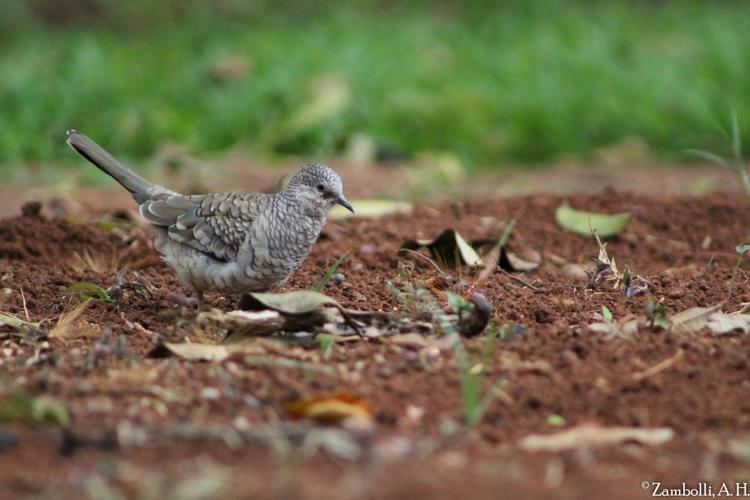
498, 82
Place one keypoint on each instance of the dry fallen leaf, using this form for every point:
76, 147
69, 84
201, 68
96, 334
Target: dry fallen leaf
296, 302
449, 249
411, 340
301, 310
624, 327
192, 352
243, 324
198, 351
333, 408
720, 323
526, 260
594, 436
693, 319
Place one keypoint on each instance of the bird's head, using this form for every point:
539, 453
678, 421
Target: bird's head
318, 186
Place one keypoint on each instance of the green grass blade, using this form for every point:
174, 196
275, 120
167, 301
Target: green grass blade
506, 233
736, 139
320, 285
708, 156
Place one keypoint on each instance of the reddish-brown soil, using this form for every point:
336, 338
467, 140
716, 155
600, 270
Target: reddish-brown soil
101, 372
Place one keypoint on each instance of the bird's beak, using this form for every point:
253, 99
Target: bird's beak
341, 200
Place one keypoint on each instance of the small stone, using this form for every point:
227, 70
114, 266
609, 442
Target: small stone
31, 209
569, 357
338, 278
241, 424
574, 272
211, 393
251, 401
675, 293
544, 315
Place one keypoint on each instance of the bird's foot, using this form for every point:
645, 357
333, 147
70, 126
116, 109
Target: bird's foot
182, 299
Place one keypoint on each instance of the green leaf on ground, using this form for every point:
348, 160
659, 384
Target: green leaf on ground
17, 323
86, 290
556, 420
21, 407
582, 222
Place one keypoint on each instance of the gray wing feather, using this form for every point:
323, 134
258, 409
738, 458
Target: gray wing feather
215, 224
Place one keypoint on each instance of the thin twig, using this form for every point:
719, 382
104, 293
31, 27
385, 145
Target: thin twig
493, 257
23, 302
424, 257
660, 366
518, 279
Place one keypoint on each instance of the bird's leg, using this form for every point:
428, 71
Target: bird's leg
198, 298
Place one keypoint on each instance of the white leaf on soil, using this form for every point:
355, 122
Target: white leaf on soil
693, 319
594, 436
720, 323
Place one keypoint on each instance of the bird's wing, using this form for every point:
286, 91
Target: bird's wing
214, 223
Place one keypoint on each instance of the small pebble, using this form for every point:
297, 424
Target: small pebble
211, 393
675, 293
241, 424
338, 278
251, 401
31, 209
574, 272
8, 440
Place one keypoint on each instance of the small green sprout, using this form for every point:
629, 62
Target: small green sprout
326, 343
320, 285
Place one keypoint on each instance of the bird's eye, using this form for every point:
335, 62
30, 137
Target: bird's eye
321, 187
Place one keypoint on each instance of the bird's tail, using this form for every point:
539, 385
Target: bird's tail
141, 188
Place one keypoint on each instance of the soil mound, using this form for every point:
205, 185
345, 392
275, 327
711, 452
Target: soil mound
33, 238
